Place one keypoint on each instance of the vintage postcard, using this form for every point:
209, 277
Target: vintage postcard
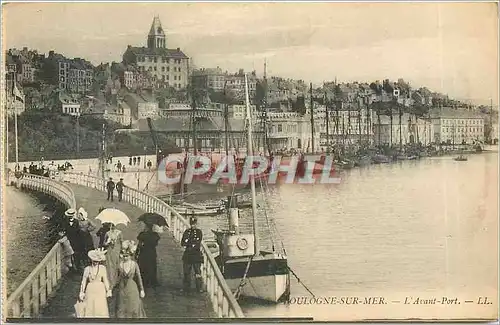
280, 161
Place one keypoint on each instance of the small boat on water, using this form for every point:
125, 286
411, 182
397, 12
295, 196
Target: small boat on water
461, 158
380, 159
198, 210
363, 161
412, 157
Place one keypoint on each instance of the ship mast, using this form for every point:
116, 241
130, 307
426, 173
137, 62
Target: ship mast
252, 180
265, 111
312, 117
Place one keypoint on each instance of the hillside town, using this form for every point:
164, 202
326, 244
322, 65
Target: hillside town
159, 83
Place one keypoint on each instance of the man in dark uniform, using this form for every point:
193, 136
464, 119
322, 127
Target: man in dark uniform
71, 227
119, 189
192, 257
110, 186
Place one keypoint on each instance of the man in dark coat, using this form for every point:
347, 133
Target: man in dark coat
119, 189
192, 257
110, 186
72, 229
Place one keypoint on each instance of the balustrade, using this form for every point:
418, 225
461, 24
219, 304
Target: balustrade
31, 296
221, 297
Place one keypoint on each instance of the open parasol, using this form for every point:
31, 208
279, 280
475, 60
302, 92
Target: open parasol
113, 216
153, 219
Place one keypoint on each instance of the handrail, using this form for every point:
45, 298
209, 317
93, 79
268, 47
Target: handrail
31, 295
223, 300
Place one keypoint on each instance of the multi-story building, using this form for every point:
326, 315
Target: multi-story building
76, 76
24, 64
214, 79
169, 67
120, 114
454, 126
412, 130
142, 106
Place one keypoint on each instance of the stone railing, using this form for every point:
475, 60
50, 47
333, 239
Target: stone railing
31, 296
223, 301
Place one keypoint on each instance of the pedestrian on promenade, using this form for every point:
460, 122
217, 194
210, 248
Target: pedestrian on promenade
192, 257
67, 252
110, 186
148, 240
119, 189
130, 161
135, 161
101, 234
118, 166
130, 289
72, 229
149, 164
139, 161
113, 245
94, 288
86, 228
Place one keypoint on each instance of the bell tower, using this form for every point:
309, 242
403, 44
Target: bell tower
156, 36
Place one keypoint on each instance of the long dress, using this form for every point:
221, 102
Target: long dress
86, 227
128, 301
95, 287
114, 246
148, 240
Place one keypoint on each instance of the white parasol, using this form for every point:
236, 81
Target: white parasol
113, 216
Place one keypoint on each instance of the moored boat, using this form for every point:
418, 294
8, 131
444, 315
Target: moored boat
249, 270
461, 158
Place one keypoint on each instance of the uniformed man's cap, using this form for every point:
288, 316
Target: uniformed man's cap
193, 220
121, 179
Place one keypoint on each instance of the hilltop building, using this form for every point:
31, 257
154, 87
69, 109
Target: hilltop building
168, 67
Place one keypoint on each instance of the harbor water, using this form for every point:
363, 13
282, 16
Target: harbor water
424, 228
25, 235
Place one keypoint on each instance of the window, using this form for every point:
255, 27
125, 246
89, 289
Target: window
155, 59
163, 69
175, 77
280, 128
155, 68
168, 69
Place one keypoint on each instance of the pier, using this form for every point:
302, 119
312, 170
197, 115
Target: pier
49, 293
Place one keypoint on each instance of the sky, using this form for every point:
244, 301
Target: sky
449, 47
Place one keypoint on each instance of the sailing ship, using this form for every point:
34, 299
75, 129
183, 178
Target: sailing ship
249, 270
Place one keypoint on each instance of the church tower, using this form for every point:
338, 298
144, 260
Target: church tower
156, 36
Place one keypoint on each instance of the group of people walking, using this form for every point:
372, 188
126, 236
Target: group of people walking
111, 266
124, 269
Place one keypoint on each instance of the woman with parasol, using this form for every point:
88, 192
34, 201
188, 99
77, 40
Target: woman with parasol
148, 240
113, 241
130, 288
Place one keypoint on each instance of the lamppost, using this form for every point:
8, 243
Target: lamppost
145, 148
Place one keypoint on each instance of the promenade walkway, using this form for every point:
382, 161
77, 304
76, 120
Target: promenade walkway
166, 301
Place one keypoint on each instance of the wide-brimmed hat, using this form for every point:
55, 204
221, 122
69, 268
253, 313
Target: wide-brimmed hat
70, 212
97, 255
83, 212
129, 247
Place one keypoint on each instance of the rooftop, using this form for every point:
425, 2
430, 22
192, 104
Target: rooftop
169, 53
448, 112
